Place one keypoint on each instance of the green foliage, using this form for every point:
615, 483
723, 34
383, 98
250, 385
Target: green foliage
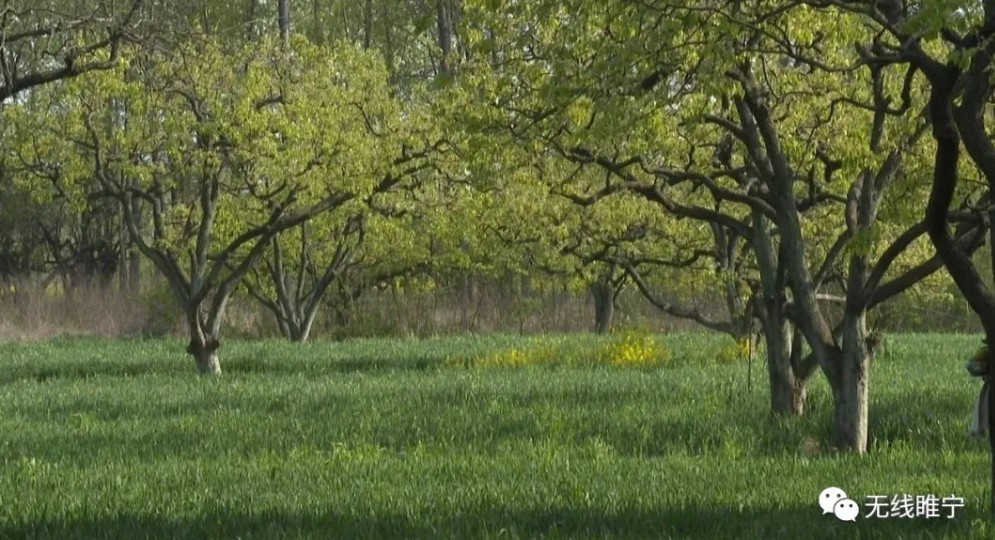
198, 116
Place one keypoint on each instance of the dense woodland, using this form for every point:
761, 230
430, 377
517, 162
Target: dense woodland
811, 172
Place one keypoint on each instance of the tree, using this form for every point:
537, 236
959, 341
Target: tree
537, 233
298, 284
45, 43
948, 46
844, 349
638, 100
365, 243
223, 148
49, 42
581, 93
768, 91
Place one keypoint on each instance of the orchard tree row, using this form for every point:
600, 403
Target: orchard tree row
808, 160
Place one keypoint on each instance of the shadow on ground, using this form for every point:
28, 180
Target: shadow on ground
182, 365
790, 523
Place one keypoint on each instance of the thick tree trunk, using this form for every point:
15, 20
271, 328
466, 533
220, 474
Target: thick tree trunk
791, 249
787, 390
284, 327
204, 343
208, 364
945, 176
850, 394
300, 329
604, 306
205, 355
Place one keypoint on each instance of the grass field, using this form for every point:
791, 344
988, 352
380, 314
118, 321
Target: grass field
385, 439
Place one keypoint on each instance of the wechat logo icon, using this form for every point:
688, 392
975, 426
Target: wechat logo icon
833, 500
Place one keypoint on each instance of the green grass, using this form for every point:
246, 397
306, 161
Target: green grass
378, 439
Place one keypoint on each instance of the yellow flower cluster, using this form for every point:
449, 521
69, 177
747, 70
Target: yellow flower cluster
534, 352
513, 357
735, 352
635, 349
627, 349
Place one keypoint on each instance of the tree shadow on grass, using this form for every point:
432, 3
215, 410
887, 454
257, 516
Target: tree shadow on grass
183, 366
921, 421
72, 372
353, 364
687, 523
937, 423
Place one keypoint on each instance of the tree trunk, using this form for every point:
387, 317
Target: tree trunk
317, 33
122, 256
344, 308
787, 391
342, 316
367, 24
851, 391
205, 20
301, 336
301, 329
444, 18
469, 298
204, 343
388, 25
284, 7
284, 326
944, 185
207, 363
251, 28
134, 256
604, 306
301, 333
205, 355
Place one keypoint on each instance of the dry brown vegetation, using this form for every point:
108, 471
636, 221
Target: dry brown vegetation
30, 312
